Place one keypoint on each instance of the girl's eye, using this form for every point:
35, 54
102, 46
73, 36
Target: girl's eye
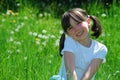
78, 23
70, 28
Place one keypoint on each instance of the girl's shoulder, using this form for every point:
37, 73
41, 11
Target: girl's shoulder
69, 45
99, 45
100, 50
69, 40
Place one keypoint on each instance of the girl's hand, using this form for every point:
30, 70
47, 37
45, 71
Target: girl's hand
92, 69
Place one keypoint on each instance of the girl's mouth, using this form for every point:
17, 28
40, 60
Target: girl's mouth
79, 33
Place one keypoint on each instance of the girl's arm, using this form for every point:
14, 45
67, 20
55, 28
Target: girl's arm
92, 69
70, 66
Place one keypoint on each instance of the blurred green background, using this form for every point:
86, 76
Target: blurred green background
30, 32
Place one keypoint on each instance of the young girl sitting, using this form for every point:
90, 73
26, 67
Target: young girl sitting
81, 55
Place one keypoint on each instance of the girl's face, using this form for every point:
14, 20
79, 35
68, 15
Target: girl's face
78, 31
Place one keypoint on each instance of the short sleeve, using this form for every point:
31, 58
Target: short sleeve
101, 53
69, 45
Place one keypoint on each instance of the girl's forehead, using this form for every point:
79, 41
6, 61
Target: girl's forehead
74, 22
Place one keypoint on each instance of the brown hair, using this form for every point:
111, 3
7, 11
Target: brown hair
78, 15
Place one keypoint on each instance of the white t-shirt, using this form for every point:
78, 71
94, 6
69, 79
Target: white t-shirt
83, 55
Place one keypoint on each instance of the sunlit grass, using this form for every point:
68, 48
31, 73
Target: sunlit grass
29, 46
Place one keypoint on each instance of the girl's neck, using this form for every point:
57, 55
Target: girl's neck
86, 42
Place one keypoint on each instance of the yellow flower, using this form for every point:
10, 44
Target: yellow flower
37, 39
16, 14
14, 21
10, 12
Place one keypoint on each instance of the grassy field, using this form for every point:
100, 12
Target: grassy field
29, 45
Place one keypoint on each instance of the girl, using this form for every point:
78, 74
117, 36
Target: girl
81, 55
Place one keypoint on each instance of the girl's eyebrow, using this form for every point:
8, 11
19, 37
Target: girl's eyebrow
69, 27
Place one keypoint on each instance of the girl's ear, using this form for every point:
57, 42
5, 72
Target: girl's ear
88, 21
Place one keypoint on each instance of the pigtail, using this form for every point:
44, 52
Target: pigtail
61, 43
96, 28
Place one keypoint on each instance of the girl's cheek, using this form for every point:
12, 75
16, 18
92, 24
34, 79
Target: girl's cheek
71, 32
84, 24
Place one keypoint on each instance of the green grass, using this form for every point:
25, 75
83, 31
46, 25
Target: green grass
29, 46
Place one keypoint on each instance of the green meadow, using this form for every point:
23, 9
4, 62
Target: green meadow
29, 44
